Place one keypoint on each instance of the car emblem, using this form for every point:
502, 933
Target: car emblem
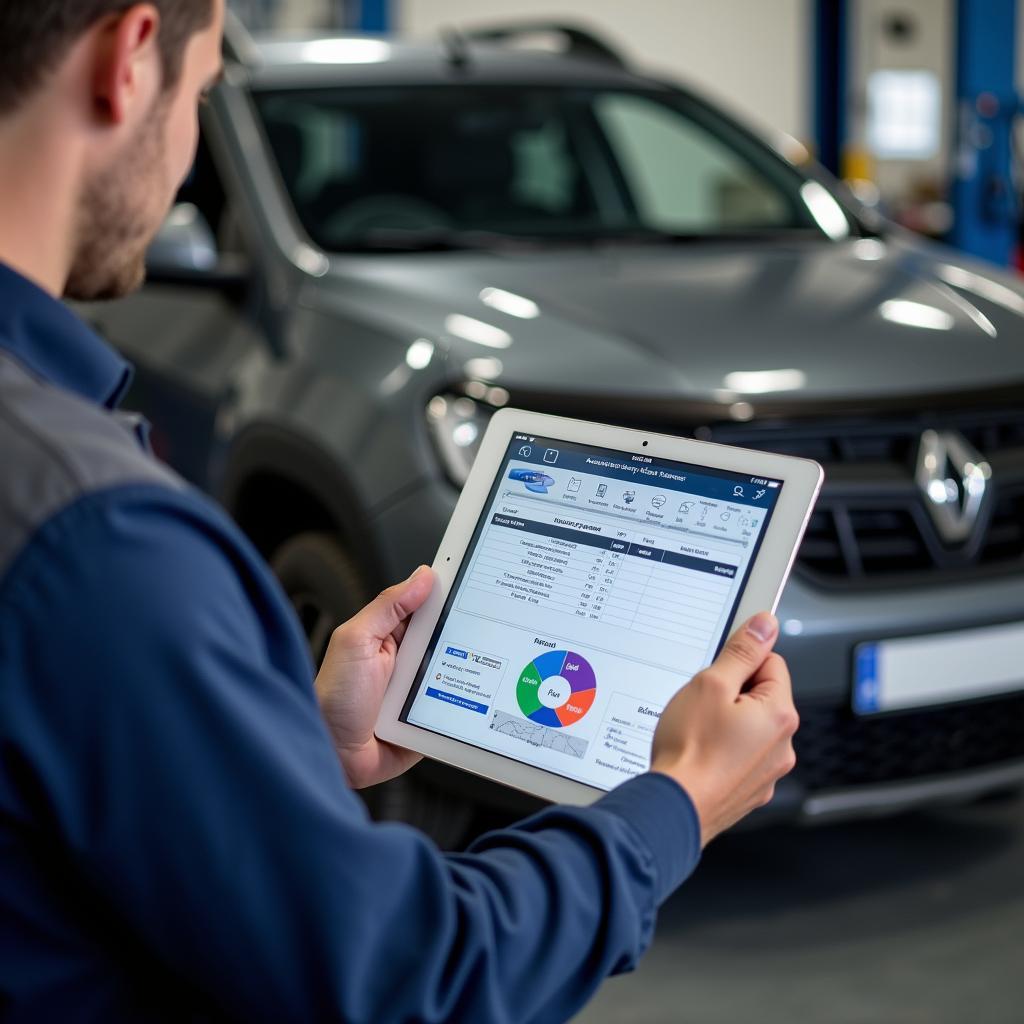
953, 478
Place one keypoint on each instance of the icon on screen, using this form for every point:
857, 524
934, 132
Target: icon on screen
551, 455
726, 517
629, 497
658, 500
525, 452
685, 507
534, 479
758, 495
602, 490
574, 484
737, 491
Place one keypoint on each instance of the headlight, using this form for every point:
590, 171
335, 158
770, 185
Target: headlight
457, 424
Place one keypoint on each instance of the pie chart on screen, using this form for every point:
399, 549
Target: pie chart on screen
556, 689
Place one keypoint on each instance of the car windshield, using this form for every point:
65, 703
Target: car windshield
447, 166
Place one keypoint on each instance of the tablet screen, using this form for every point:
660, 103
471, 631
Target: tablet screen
596, 584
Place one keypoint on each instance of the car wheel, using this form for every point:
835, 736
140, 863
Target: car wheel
325, 587
322, 583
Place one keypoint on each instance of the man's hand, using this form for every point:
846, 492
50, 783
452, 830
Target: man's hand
726, 737
355, 673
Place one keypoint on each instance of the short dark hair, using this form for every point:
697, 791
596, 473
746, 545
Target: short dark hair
36, 34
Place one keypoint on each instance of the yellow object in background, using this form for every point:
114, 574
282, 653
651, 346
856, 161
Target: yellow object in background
857, 164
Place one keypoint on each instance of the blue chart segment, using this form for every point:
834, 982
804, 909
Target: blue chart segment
556, 689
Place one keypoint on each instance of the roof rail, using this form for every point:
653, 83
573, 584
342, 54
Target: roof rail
239, 47
580, 42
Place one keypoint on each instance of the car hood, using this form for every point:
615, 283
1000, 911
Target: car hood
809, 320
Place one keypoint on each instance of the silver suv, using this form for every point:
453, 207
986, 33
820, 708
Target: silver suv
383, 242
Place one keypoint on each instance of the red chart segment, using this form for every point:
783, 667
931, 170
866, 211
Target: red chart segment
576, 706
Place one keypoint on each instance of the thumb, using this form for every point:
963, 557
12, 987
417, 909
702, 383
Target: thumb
745, 651
382, 616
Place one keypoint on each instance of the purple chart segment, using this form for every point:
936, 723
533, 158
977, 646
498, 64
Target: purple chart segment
577, 672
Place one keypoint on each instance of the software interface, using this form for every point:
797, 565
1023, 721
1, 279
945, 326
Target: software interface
597, 583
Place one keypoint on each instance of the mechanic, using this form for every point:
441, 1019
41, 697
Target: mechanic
179, 836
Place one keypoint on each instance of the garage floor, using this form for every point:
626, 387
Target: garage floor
914, 920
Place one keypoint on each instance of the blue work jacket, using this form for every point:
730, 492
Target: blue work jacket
177, 838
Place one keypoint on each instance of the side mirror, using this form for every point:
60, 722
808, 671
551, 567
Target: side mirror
184, 246
184, 252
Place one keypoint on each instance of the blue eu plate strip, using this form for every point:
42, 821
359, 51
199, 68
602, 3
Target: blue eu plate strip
454, 698
866, 682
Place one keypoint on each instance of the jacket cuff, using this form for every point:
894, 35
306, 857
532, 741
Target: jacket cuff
663, 816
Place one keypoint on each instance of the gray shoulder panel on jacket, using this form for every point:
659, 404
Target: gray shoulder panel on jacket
55, 448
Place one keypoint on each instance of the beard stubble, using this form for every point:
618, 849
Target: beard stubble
121, 209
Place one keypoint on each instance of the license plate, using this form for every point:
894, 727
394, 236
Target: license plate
920, 671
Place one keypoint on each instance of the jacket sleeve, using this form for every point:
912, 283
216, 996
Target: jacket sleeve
195, 787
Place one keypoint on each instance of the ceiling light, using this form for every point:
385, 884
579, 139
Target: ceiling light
345, 51
869, 249
419, 354
758, 382
827, 213
985, 287
510, 303
916, 314
477, 331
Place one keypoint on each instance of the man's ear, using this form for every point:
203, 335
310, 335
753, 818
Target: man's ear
127, 62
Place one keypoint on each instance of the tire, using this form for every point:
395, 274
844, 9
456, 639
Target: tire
322, 583
325, 587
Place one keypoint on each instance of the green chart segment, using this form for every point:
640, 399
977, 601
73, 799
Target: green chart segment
556, 689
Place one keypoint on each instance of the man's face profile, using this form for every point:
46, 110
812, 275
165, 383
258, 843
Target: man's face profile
125, 198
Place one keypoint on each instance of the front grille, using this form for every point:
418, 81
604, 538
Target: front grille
1004, 539
836, 749
872, 521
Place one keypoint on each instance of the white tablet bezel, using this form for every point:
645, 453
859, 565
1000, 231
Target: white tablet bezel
801, 479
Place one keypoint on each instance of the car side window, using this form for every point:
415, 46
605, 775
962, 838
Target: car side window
681, 177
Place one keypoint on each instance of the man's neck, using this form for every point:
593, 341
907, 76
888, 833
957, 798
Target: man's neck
37, 198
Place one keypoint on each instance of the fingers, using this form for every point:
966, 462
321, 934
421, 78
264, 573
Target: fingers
389, 610
771, 684
772, 680
744, 652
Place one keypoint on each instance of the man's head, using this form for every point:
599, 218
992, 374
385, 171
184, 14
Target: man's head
123, 80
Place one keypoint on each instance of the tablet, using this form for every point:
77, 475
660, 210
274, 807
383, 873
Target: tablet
587, 574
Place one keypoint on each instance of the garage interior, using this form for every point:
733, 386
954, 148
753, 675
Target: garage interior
790, 226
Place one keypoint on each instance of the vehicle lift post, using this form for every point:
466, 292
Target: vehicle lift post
986, 208
363, 15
